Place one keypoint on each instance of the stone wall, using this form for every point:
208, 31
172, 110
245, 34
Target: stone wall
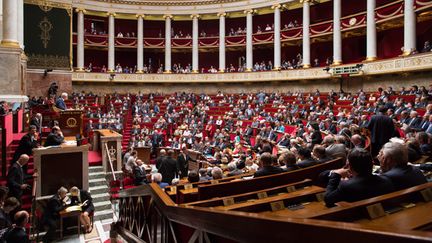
368, 83
38, 83
12, 70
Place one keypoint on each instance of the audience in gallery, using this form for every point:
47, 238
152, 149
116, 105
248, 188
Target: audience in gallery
231, 148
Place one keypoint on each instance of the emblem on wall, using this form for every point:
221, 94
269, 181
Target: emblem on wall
46, 27
71, 122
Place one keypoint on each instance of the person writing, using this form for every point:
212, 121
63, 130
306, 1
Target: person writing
55, 205
55, 138
83, 198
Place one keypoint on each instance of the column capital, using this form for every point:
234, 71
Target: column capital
275, 6
195, 16
166, 16
111, 14
140, 16
77, 10
222, 14
250, 11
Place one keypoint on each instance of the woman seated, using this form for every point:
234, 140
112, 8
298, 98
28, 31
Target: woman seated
83, 198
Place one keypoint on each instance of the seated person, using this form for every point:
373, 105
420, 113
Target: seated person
83, 198
157, 178
217, 173
9, 205
193, 177
362, 184
51, 214
233, 170
55, 137
266, 166
319, 153
139, 173
393, 159
18, 233
305, 156
288, 160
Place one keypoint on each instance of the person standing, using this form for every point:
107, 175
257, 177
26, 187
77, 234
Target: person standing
60, 102
182, 162
16, 178
27, 143
382, 129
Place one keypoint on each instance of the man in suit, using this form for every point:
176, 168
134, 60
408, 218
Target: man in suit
26, 145
55, 137
18, 233
426, 121
267, 168
333, 149
393, 159
362, 185
414, 121
51, 213
182, 162
319, 153
60, 102
37, 122
168, 167
139, 173
16, 178
305, 156
382, 129
83, 198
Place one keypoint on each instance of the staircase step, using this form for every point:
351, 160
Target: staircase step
96, 175
101, 197
97, 168
97, 182
103, 214
99, 206
99, 189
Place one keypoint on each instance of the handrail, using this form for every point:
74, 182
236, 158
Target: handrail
33, 227
110, 161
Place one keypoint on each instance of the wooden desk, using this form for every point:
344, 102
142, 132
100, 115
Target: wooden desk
143, 153
310, 208
65, 214
103, 139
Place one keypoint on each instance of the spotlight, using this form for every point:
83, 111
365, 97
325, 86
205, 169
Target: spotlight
359, 65
46, 71
327, 69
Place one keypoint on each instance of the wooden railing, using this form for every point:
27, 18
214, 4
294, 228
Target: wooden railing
147, 214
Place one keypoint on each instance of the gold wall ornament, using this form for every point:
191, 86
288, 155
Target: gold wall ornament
45, 26
71, 122
44, 6
49, 4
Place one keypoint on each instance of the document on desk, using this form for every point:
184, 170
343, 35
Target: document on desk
73, 208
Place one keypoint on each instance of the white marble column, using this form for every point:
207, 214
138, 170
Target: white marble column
222, 65
410, 21
371, 45
277, 37
195, 53
168, 43
20, 23
140, 44
306, 34
111, 43
80, 39
10, 24
249, 43
337, 34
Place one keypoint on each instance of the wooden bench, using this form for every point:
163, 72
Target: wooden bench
242, 186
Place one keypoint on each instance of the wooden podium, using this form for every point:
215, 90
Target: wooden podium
66, 165
109, 142
71, 122
143, 153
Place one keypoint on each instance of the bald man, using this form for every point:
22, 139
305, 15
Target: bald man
16, 178
18, 233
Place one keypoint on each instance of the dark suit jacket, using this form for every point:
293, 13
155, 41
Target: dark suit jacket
268, 170
15, 178
25, 147
139, 176
84, 196
168, 168
52, 210
61, 104
307, 162
382, 129
17, 234
53, 140
35, 122
405, 176
356, 188
414, 122
316, 137
183, 164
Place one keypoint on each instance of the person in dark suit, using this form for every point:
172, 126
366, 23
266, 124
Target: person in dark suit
37, 121
26, 145
55, 138
60, 102
51, 213
9, 206
393, 159
182, 163
18, 233
414, 121
288, 160
139, 173
267, 168
284, 140
382, 129
305, 156
16, 178
168, 167
83, 198
362, 185
319, 153
316, 137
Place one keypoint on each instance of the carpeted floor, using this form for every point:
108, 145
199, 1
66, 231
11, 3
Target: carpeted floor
94, 158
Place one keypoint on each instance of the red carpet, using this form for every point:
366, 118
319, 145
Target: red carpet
94, 158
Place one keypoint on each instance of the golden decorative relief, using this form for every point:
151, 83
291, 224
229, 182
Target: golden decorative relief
169, 3
45, 36
48, 61
48, 4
